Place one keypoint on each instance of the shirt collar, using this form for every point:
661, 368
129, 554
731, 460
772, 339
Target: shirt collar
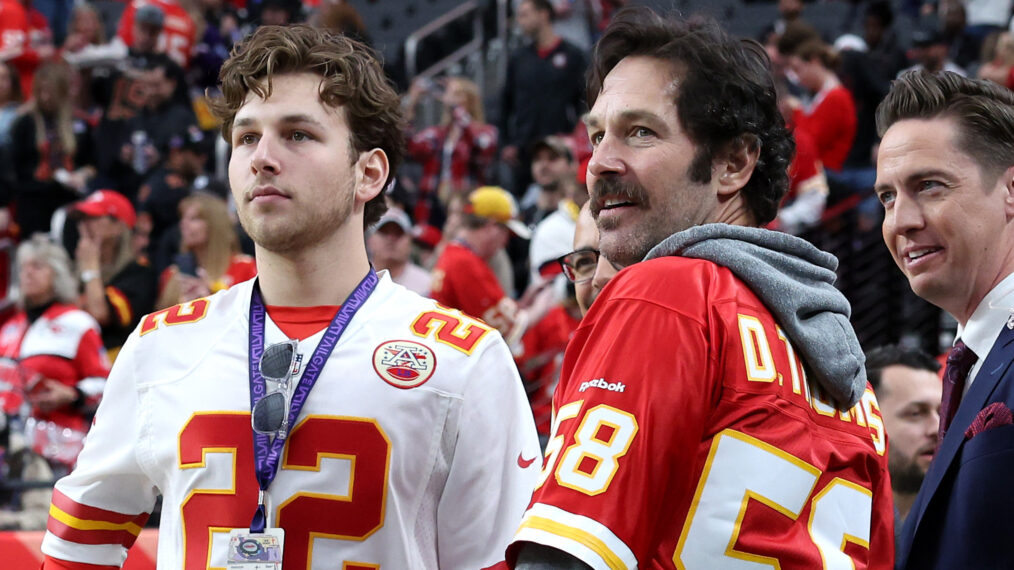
988, 319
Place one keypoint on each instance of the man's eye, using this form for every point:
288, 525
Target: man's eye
246, 138
643, 132
300, 136
596, 138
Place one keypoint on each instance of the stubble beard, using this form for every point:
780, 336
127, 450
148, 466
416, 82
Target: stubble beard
301, 230
906, 474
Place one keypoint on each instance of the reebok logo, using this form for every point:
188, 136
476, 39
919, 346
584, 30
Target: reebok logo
603, 385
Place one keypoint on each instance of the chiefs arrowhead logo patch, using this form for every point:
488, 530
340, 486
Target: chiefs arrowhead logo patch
404, 363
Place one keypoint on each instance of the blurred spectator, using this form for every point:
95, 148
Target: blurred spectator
1000, 67
541, 357
59, 349
25, 40
965, 49
882, 42
85, 29
10, 103
159, 26
52, 151
552, 164
341, 17
390, 245
221, 30
159, 197
830, 116
789, 12
118, 288
543, 94
462, 276
859, 74
803, 205
209, 259
930, 52
554, 235
143, 139
274, 12
457, 154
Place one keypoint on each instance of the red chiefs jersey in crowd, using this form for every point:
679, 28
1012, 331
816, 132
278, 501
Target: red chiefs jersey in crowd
179, 33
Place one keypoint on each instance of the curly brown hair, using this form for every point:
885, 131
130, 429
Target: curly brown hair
352, 78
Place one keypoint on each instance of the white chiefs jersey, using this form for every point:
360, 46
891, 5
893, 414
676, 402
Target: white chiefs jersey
415, 449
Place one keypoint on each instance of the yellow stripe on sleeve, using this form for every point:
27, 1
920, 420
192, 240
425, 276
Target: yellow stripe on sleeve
580, 536
83, 524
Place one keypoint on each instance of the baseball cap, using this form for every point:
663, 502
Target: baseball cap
191, 138
427, 236
495, 203
555, 144
927, 37
108, 203
151, 15
394, 216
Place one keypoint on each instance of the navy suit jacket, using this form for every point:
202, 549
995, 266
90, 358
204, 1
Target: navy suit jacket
963, 516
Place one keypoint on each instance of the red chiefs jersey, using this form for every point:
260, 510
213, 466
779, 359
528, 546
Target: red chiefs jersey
686, 435
63, 344
463, 281
179, 33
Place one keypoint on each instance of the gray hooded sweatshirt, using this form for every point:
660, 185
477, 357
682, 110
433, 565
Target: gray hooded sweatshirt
795, 281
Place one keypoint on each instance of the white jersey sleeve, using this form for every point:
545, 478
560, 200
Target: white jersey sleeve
496, 462
109, 474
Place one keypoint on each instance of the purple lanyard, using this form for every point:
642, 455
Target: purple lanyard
266, 450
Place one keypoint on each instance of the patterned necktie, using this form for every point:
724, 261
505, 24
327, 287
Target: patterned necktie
959, 361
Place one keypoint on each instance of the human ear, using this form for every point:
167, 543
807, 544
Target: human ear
735, 163
371, 174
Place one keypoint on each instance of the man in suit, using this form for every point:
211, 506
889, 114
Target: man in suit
945, 175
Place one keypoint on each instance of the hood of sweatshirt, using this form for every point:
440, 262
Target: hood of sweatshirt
795, 281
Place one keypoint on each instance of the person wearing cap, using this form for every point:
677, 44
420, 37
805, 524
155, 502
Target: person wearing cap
390, 246
930, 51
552, 164
118, 287
462, 276
162, 26
158, 198
554, 235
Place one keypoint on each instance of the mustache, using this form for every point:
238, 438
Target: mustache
617, 188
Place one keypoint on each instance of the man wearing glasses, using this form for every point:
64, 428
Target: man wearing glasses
321, 415
712, 409
586, 267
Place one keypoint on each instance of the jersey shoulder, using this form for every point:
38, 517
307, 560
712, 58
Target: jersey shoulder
404, 326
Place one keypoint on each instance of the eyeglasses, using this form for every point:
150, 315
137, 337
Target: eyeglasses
579, 266
270, 415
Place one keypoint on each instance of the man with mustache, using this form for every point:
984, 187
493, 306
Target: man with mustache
713, 409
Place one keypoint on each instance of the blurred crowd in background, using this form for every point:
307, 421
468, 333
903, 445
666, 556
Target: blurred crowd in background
114, 199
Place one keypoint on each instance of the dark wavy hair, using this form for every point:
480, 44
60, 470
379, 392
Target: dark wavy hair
983, 111
352, 78
725, 95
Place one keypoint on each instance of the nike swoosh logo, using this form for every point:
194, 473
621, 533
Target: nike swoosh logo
524, 463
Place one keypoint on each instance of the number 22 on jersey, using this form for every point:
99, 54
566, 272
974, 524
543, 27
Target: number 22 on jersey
350, 514
739, 468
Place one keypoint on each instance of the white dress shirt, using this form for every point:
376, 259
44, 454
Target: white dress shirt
988, 319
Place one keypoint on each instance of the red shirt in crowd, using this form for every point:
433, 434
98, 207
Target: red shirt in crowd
179, 33
831, 121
